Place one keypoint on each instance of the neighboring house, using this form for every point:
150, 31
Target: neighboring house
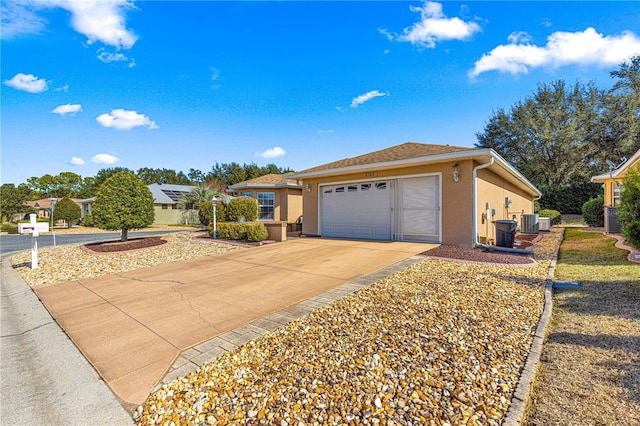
42, 207
165, 204
612, 183
85, 206
415, 192
279, 197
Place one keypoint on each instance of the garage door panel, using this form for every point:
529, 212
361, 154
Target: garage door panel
359, 211
420, 208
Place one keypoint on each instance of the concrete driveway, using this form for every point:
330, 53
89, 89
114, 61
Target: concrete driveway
133, 326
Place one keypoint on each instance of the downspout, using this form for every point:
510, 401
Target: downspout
475, 201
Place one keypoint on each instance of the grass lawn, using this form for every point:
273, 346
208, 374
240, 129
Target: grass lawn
590, 365
572, 219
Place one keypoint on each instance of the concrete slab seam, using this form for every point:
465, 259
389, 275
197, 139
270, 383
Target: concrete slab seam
522, 395
241, 335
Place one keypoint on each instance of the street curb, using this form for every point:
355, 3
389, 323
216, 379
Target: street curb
522, 395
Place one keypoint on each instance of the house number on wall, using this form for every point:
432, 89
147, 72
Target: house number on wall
370, 174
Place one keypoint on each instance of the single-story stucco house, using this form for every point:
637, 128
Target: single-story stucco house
415, 192
165, 204
42, 206
279, 197
612, 183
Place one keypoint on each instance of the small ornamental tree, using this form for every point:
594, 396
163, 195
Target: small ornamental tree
68, 210
629, 209
123, 202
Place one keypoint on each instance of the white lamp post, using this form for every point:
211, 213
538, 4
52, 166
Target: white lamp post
213, 204
52, 201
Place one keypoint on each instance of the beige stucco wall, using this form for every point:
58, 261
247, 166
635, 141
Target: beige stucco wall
288, 202
493, 189
457, 197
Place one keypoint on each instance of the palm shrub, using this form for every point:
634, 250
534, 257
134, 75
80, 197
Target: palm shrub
68, 210
242, 208
593, 211
123, 203
629, 209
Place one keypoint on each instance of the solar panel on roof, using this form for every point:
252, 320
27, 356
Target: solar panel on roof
174, 195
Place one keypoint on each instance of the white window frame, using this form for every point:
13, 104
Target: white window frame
271, 195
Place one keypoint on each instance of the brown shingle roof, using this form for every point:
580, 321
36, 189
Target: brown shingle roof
270, 179
398, 152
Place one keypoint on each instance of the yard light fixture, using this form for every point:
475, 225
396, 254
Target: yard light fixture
213, 204
53, 204
456, 173
307, 187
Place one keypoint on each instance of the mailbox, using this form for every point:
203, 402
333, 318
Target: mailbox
33, 227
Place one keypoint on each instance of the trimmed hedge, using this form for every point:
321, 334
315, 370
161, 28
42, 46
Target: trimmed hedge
568, 199
593, 211
242, 208
554, 215
251, 231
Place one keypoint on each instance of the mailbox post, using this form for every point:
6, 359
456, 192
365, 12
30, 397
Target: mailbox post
34, 228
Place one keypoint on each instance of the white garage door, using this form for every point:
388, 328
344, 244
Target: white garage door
357, 210
419, 204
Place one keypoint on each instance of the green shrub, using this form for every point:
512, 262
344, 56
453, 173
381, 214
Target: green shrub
593, 211
256, 231
9, 228
629, 209
568, 199
251, 231
206, 215
242, 208
88, 219
554, 215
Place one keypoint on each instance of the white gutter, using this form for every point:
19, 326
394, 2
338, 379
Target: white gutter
475, 200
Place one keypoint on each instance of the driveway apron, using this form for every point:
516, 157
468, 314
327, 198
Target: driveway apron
132, 326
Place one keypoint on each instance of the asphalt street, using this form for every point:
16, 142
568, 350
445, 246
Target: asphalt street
16, 243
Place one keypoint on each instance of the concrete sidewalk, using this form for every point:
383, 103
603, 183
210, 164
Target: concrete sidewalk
133, 327
44, 379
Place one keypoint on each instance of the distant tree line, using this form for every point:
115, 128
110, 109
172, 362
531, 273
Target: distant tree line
72, 185
562, 135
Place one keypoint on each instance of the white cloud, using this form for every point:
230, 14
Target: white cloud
519, 37
324, 132
435, 26
101, 20
27, 83
98, 20
75, 161
366, 97
108, 57
62, 89
104, 159
274, 152
122, 119
20, 18
67, 109
586, 47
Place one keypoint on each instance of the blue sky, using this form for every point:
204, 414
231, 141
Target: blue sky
166, 84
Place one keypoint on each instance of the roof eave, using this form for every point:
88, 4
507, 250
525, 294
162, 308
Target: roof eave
481, 155
239, 186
